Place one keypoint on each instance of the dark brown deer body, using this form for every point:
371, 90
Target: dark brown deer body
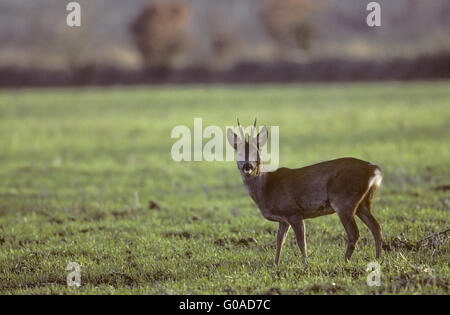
344, 186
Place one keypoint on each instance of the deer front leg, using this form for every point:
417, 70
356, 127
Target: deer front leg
298, 226
283, 228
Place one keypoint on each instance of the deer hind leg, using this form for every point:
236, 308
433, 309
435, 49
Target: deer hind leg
348, 221
346, 211
283, 228
364, 212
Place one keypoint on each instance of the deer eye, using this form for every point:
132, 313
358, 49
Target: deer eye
247, 167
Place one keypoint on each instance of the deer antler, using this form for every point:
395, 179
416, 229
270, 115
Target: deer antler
241, 130
253, 129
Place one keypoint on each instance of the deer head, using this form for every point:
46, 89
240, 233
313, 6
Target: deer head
249, 160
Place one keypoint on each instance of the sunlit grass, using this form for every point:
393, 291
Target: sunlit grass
78, 168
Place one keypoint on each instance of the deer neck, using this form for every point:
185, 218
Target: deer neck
254, 185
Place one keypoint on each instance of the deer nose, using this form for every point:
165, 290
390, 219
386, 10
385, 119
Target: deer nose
247, 168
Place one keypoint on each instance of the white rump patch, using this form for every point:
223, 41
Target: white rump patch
376, 178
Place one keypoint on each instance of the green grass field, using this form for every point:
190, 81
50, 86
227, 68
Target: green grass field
79, 167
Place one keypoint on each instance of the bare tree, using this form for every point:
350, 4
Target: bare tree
159, 33
289, 22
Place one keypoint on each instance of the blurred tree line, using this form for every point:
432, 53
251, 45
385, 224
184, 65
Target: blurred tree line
160, 31
215, 33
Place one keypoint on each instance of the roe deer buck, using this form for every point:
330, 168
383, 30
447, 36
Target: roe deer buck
346, 186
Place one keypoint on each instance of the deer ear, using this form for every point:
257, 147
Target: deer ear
232, 138
262, 137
